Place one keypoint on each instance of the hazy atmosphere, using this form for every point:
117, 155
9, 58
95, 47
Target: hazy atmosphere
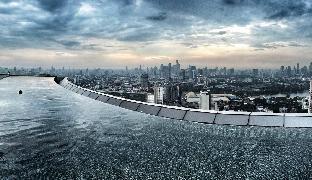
119, 33
156, 89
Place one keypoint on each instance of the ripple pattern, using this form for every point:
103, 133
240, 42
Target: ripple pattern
51, 133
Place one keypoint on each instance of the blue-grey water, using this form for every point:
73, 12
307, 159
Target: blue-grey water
51, 133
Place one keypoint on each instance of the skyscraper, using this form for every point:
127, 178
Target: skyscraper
204, 101
282, 70
161, 71
177, 68
169, 71
255, 72
192, 72
288, 71
144, 80
231, 71
159, 95
310, 99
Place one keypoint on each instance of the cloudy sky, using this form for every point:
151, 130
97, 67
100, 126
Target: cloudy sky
119, 33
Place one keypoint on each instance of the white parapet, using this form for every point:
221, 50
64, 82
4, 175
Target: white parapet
298, 120
232, 118
130, 105
197, 115
202, 116
266, 119
173, 112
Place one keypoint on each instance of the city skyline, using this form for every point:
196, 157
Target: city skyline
143, 68
115, 34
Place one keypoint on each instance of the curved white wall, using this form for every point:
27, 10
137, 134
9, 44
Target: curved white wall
195, 115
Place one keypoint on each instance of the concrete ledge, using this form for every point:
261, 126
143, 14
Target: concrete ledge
63, 83
266, 119
103, 98
149, 109
81, 91
57, 79
86, 93
66, 86
74, 89
172, 113
232, 118
77, 90
114, 101
129, 105
70, 87
200, 116
93, 95
196, 115
298, 120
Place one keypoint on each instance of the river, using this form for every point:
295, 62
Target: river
292, 95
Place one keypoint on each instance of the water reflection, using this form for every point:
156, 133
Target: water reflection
49, 132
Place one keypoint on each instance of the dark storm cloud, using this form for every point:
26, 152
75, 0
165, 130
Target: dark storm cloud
289, 9
237, 11
160, 17
62, 12
34, 23
69, 44
53, 5
221, 11
233, 2
125, 2
139, 36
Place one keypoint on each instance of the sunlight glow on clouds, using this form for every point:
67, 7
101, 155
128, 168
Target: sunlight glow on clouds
86, 9
116, 33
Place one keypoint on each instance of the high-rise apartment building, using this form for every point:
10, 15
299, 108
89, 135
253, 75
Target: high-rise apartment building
310, 98
159, 95
144, 80
204, 101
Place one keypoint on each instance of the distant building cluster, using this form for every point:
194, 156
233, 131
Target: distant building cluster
223, 89
296, 70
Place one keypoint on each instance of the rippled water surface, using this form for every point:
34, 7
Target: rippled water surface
51, 133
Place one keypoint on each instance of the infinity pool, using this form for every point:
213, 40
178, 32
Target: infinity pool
49, 132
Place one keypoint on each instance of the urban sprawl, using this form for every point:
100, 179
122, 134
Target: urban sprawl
283, 90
